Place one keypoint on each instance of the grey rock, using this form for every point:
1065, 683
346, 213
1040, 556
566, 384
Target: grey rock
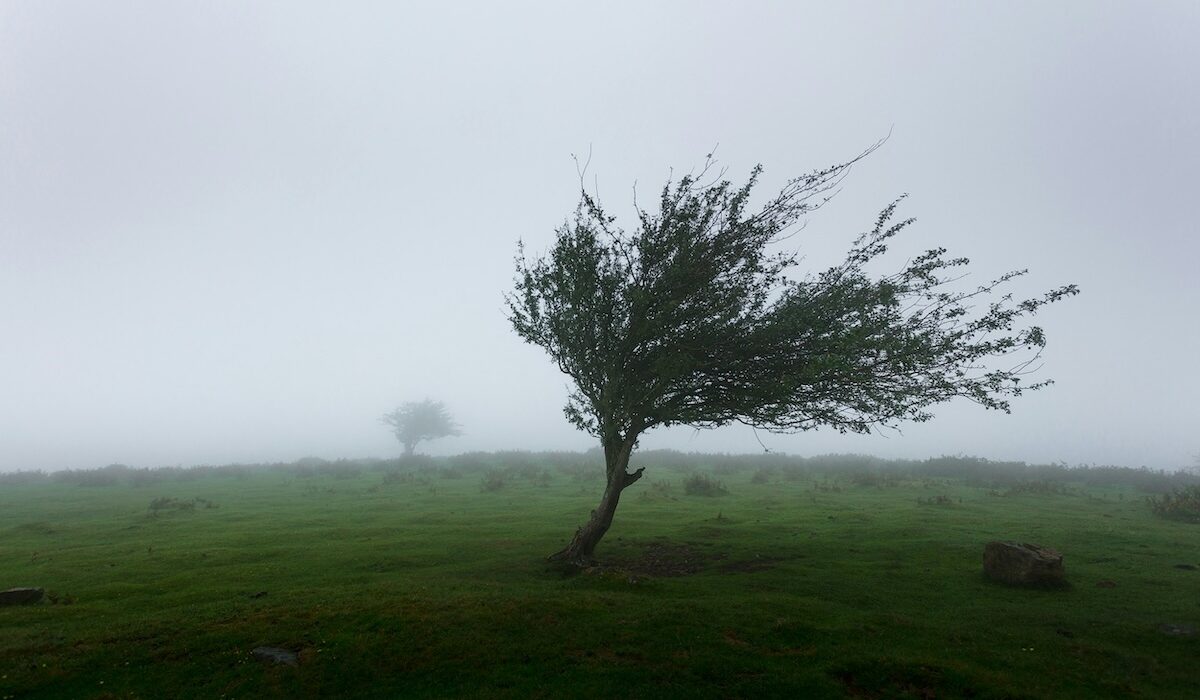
276, 655
21, 596
1023, 564
1176, 630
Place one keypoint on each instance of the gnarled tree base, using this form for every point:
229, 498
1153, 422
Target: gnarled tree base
577, 553
580, 550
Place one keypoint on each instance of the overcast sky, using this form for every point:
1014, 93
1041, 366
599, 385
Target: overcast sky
242, 231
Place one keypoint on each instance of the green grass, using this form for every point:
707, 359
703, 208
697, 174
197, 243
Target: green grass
428, 587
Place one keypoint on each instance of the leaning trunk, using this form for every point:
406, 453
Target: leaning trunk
582, 546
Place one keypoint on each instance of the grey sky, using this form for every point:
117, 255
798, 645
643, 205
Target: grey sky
238, 231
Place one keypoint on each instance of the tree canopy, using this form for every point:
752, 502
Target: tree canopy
415, 421
694, 318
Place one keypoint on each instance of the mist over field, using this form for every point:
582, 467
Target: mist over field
562, 350
239, 232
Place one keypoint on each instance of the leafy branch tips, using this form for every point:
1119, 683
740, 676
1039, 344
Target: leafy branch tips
691, 319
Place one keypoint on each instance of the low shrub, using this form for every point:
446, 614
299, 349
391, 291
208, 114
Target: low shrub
1180, 504
24, 478
763, 476
658, 490
541, 478
105, 476
703, 485
493, 480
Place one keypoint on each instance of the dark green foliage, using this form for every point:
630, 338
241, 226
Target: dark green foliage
1181, 504
703, 485
416, 421
690, 319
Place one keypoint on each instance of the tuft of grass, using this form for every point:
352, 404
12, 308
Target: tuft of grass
939, 500
166, 503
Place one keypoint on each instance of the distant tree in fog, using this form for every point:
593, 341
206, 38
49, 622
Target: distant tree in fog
692, 319
415, 421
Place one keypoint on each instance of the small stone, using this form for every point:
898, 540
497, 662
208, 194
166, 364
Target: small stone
1021, 563
21, 596
1175, 630
276, 655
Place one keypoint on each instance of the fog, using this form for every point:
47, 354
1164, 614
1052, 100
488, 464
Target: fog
244, 231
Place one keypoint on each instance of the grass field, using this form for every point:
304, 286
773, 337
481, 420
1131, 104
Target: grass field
428, 584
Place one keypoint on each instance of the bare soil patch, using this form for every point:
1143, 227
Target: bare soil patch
664, 559
661, 558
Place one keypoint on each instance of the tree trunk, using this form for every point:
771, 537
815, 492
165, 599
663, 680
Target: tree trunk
409, 447
582, 546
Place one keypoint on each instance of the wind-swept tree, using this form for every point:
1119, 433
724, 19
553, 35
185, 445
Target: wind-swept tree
415, 421
692, 319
